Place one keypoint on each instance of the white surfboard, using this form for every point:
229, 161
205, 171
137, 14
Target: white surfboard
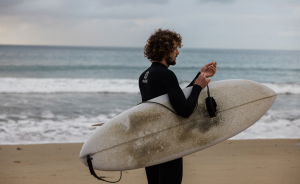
150, 133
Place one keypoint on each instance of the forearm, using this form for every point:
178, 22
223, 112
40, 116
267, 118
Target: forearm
192, 83
184, 107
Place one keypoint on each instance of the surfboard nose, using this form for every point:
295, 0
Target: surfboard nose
262, 92
270, 93
268, 90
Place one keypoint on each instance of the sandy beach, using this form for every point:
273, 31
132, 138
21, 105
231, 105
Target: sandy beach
274, 161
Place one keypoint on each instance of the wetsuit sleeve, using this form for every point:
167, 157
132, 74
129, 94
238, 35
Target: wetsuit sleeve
183, 107
192, 83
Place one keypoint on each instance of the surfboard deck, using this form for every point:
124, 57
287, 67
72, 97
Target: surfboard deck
151, 133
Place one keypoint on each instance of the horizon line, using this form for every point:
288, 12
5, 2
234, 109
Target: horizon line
135, 47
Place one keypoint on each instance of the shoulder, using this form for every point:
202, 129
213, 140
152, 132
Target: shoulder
171, 74
164, 73
144, 73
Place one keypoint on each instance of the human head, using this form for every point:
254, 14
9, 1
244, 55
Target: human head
160, 45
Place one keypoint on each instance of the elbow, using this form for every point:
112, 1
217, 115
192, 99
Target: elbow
186, 113
184, 110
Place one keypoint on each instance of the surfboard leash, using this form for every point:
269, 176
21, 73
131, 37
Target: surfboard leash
211, 104
92, 171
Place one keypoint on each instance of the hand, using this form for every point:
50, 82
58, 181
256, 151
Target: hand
209, 69
202, 80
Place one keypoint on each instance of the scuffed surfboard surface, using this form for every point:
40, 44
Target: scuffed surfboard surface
151, 133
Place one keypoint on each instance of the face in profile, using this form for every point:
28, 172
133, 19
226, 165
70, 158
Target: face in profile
171, 60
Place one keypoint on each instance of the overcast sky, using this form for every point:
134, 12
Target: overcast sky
243, 24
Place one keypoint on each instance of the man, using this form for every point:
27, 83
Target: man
162, 49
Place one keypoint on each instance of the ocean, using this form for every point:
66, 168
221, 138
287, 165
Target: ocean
53, 94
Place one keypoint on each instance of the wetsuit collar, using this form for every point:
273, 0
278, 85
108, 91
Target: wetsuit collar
158, 64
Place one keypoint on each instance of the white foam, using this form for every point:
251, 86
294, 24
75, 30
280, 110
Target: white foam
274, 124
282, 88
61, 85
32, 85
32, 131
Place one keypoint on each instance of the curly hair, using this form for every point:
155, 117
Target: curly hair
161, 43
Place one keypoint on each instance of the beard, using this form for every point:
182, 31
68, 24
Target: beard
170, 61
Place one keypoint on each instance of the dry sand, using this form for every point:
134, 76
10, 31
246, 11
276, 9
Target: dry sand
233, 162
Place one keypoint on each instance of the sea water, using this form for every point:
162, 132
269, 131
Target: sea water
54, 94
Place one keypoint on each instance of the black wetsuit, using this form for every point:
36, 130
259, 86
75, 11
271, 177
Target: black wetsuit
153, 82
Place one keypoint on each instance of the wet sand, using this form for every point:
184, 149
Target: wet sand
274, 161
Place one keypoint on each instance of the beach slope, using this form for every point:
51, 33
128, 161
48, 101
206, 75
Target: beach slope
274, 161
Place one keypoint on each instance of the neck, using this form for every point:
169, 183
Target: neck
164, 62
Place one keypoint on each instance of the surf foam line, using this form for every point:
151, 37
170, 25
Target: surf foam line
63, 85
90, 85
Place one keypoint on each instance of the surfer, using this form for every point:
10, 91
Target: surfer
162, 49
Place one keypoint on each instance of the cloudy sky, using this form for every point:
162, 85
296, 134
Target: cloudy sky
243, 24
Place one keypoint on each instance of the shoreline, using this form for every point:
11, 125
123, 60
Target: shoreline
81, 143
268, 161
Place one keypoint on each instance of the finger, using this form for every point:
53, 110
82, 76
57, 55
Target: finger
214, 63
212, 68
209, 64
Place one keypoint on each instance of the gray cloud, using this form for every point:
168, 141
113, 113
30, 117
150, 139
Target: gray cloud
74, 9
10, 3
9, 6
213, 23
